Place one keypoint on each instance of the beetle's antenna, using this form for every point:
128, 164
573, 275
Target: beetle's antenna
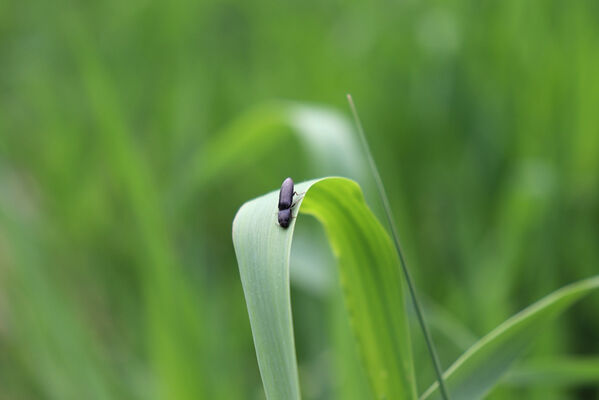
406, 272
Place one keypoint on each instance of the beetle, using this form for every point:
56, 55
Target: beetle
284, 217
286, 194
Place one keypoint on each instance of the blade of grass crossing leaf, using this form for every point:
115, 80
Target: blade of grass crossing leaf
387, 207
476, 372
369, 278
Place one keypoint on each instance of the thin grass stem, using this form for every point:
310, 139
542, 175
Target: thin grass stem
404, 266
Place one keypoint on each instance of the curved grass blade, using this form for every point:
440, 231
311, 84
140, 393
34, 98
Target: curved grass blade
476, 372
371, 282
324, 132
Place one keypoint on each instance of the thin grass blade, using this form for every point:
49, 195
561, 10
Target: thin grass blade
478, 370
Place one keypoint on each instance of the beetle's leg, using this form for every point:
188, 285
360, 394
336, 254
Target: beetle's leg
296, 200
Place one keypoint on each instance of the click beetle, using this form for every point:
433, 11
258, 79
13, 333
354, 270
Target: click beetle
286, 194
285, 217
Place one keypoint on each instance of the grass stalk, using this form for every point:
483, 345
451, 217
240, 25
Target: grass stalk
404, 266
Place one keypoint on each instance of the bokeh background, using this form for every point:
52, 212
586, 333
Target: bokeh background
131, 132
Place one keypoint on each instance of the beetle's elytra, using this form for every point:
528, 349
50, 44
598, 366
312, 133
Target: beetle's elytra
285, 217
286, 194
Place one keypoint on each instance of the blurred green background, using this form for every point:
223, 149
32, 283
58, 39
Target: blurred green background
131, 132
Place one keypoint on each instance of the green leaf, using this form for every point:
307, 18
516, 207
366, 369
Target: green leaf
562, 371
323, 132
369, 275
476, 372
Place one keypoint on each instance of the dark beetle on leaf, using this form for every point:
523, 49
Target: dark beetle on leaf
286, 194
285, 217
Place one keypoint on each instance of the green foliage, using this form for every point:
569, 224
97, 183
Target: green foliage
368, 268
475, 373
369, 276
555, 371
131, 132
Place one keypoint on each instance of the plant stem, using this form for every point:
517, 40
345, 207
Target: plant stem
388, 213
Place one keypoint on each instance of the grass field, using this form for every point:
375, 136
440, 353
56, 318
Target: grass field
132, 132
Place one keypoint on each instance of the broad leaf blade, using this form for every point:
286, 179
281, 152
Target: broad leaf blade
370, 277
476, 372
